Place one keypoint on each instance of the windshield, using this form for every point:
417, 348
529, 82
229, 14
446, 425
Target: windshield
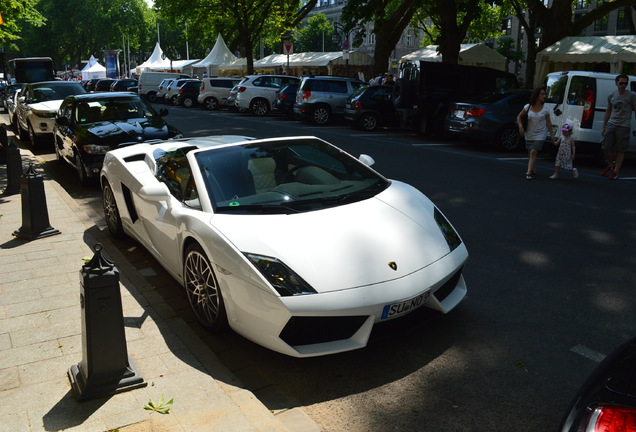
285, 177
113, 109
55, 91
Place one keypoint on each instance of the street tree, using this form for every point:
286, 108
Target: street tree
389, 17
15, 16
243, 22
316, 35
556, 22
101, 24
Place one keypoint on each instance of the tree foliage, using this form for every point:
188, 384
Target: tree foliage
556, 22
17, 15
99, 25
316, 35
241, 22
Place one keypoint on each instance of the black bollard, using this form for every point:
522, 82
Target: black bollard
14, 169
105, 368
4, 143
35, 216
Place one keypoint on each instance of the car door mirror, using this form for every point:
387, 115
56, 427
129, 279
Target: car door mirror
366, 159
155, 192
62, 121
163, 112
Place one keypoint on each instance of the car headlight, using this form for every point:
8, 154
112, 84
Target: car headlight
95, 149
284, 280
43, 114
451, 236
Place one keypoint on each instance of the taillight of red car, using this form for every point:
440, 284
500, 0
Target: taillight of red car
611, 418
475, 112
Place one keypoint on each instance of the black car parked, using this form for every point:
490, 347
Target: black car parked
103, 85
188, 94
89, 125
372, 106
490, 118
123, 84
285, 99
607, 400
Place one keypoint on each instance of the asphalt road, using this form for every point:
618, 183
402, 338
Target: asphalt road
551, 291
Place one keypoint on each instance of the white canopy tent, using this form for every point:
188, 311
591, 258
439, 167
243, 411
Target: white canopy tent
585, 52
469, 54
155, 62
219, 55
311, 60
94, 72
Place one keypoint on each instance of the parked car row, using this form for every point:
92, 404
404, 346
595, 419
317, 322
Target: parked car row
109, 84
488, 117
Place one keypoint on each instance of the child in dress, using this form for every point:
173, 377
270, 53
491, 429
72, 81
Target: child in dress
566, 152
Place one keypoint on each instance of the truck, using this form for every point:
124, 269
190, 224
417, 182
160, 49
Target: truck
148, 82
424, 90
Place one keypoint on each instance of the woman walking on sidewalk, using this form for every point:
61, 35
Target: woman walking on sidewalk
539, 126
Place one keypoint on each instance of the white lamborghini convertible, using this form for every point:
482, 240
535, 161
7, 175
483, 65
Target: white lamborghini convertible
292, 242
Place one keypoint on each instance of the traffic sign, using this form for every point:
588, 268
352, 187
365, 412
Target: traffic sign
288, 47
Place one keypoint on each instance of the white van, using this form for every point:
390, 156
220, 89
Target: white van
580, 97
149, 82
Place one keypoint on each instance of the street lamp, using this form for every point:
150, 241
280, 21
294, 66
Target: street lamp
343, 35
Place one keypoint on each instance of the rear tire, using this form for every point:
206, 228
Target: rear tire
368, 121
259, 107
211, 104
188, 102
320, 115
509, 139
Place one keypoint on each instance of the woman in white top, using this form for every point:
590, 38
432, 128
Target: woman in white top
539, 126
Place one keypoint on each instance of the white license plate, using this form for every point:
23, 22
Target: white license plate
459, 114
397, 309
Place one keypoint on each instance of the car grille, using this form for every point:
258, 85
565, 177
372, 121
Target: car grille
442, 292
313, 330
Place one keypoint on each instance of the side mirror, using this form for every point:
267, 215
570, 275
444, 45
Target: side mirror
163, 112
366, 159
557, 112
62, 121
155, 192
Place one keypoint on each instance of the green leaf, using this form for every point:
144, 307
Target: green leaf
161, 406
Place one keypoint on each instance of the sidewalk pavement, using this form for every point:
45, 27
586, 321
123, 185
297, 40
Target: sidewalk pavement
41, 338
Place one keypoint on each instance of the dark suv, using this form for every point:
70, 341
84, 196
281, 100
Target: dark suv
319, 98
188, 94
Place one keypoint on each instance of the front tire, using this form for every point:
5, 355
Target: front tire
202, 289
111, 212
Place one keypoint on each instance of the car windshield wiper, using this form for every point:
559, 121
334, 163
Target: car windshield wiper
258, 208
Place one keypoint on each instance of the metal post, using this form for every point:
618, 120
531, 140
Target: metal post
35, 216
105, 368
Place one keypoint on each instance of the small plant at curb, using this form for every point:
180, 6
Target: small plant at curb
161, 406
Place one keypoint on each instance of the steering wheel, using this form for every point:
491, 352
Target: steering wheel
291, 172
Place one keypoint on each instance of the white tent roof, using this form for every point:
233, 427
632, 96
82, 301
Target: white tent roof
95, 71
614, 50
312, 59
155, 61
469, 54
91, 62
219, 55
